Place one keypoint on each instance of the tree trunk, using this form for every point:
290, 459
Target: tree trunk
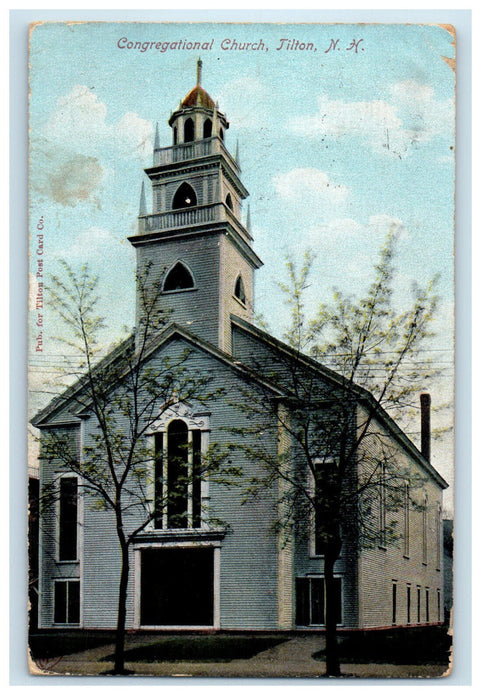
332, 654
119, 664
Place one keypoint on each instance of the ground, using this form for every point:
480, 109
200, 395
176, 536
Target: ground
234, 656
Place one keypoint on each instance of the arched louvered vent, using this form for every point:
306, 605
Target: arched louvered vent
179, 277
184, 197
239, 291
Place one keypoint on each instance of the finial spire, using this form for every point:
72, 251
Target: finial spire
248, 220
237, 157
157, 138
143, 204
199, 71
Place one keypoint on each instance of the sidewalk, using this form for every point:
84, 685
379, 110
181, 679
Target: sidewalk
291, 659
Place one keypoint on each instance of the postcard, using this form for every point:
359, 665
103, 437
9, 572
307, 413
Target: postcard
241, 349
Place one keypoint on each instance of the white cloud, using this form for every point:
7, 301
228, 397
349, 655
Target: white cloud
92, 244
80, 120
348, 245
310, 189
412, 116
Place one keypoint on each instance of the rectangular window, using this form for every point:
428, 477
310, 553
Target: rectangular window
394, 602
311, 601
324, 472
67, 602
439, 604
159, 479
382, 506
406, 520
427, 604
68, 510
408, 604
438, 538
418, 591
196, 478
425, 530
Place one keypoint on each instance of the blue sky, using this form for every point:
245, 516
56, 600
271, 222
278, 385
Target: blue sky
337, 146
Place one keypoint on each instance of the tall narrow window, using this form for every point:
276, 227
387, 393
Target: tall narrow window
427, 604
184, 197
179, 277
394, 602
406, 519
67, 602
189, 130
418, 593
177, 474
221, 133
207, 129
159, 480
175, 135
438, 537
196, 478
382, 506
408, 604
324, 473
239, 291
438, 593
68, 511
425, 530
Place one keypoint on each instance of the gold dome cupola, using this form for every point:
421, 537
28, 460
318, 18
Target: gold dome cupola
197, 117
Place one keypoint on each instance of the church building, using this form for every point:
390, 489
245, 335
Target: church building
211, 559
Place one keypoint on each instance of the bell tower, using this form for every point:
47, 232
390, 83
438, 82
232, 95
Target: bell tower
194, 241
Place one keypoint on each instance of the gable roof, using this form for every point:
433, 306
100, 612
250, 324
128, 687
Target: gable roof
173, 330
70, 397
362, 395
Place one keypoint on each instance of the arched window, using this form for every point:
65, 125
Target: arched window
177, 474
228, 201
221, 133
175, 135
239, 290
207, 129
189, 130
184, 197
178, 277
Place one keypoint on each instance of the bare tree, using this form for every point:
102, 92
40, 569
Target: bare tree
343, 375
124, 394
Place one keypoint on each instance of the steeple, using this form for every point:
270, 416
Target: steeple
195, 239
